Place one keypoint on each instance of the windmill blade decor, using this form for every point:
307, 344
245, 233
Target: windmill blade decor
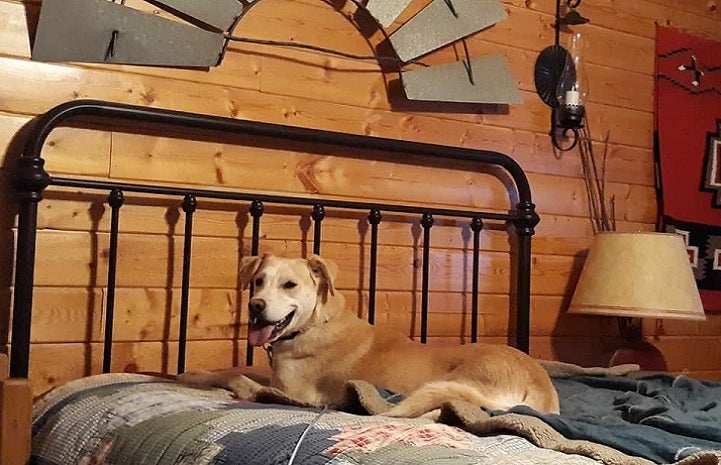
218, 14
99, 31
103, 31
386, 11
483, 79
443, 22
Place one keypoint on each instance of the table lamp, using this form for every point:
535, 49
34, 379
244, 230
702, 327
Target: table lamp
633, 276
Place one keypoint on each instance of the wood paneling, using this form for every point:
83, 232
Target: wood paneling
309, 89
16, 404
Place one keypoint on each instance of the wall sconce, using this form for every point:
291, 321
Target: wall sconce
561, 81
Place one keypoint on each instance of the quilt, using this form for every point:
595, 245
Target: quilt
688, 132
615, 420
146, 420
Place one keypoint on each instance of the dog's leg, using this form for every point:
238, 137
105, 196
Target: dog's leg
240, 385
433, 395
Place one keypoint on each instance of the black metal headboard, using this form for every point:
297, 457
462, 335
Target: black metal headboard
30, 180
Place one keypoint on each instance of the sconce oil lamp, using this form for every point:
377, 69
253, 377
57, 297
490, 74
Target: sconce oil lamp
572, 88
561, 81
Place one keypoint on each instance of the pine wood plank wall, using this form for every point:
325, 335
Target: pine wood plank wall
297, 87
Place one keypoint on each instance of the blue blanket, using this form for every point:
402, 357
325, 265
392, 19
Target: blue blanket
662, 418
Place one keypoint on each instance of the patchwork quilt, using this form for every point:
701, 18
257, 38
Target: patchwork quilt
143, 419
146, 420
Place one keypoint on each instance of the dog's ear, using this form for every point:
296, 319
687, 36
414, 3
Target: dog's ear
248, 268
325, 272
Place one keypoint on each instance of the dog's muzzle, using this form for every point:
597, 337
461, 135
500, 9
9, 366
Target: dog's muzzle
260, 330
256, 307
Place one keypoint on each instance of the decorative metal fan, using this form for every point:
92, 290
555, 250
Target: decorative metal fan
102, 31
549, 67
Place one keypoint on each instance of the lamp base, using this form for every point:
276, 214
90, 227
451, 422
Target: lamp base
635, 349
648, 360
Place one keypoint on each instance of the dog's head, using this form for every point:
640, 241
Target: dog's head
287, 294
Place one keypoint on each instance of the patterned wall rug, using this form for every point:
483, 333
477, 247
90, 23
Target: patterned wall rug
688, 131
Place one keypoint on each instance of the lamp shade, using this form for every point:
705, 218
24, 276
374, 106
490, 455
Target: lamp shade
638, 275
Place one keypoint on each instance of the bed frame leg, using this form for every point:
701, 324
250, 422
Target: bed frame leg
16, 402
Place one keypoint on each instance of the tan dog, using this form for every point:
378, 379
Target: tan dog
318, 345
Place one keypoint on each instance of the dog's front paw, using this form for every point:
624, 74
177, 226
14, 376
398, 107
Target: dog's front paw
243, 387
198, 378
240, 385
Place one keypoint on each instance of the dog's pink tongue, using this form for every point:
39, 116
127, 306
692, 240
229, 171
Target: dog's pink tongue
258, 336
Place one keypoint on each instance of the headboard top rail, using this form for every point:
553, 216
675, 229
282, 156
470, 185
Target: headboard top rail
56, 116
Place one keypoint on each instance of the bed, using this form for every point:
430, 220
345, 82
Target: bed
147, 418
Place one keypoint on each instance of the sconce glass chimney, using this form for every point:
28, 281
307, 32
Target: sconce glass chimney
572, 89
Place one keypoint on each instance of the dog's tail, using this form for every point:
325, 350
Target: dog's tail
433, 395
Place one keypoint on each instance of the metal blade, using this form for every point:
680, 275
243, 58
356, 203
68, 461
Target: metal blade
386, 11
220, 14
443, 22
99, 31
451, 82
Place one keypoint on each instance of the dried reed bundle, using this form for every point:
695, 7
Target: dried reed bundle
602, 211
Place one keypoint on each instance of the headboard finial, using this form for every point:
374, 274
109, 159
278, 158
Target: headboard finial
30, 178
526, 218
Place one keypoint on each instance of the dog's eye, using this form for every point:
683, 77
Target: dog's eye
258, 282
289, 285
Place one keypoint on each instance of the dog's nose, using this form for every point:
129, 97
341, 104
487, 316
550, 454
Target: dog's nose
256, 306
